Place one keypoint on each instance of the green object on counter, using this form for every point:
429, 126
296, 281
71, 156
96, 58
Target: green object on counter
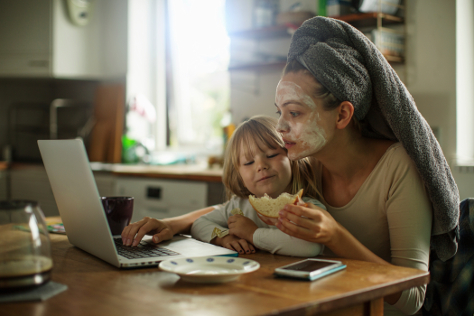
322, 8
128, 150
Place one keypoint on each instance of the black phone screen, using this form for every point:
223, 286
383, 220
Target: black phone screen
309, 265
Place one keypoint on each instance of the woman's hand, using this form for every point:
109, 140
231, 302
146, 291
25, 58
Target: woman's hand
133, 233
310, 223
267, 220
314, 224
242, 227
234, 243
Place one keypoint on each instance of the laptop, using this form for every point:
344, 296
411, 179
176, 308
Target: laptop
84, 219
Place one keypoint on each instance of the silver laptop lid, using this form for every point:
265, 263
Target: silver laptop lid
77, 197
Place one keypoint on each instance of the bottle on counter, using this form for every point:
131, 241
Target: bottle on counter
228, 128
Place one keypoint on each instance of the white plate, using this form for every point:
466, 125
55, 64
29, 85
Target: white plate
209, 269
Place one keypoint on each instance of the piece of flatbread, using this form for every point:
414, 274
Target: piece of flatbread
270, 207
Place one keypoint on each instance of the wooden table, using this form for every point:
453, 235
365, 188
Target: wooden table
97, 288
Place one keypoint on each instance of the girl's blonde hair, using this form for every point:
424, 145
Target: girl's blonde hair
261, 131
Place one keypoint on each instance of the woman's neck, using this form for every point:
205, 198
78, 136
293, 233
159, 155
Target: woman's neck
347, 157
347, 166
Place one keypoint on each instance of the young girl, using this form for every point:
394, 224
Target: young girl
256, 163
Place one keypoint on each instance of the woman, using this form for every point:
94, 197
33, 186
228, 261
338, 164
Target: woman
388, 190
342, 104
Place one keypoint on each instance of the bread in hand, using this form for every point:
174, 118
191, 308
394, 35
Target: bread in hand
270, 207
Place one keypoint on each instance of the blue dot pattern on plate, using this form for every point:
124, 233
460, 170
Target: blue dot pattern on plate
210, 259
173, 262
189, 260
230, 260
246, 262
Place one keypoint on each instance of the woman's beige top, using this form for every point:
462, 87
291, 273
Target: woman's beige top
391, 215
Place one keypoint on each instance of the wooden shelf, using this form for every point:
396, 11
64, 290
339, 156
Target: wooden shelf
369, 19
394, 59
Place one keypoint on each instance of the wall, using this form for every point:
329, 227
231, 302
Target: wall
431, 66
95, 53
429, 74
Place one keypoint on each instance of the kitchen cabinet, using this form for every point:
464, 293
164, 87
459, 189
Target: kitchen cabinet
105, 182
162, 198
38, 39
30, 182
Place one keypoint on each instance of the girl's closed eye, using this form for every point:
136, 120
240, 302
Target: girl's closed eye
272, 156
248, 163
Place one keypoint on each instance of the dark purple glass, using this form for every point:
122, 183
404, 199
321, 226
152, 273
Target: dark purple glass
119, 210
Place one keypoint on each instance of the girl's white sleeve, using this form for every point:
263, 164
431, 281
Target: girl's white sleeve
275, 241
203, 227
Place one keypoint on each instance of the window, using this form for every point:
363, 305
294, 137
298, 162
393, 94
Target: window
464, 81
198, 55
178, 59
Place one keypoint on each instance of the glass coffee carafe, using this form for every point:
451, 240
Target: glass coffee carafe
25, 252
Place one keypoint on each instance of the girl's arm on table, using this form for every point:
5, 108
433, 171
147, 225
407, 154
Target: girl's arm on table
269, 238
204, 229
204, 226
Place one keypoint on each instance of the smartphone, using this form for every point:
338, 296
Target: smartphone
310, 269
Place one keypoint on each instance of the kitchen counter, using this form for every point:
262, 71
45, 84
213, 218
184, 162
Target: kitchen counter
196, 172
180, 172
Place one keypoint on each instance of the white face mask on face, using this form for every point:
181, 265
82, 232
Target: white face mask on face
304, 131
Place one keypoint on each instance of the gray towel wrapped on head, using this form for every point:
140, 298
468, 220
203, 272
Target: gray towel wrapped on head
349, 65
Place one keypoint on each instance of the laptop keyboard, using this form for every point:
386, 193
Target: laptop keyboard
142, 250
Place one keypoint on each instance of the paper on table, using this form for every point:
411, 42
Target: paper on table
55, 227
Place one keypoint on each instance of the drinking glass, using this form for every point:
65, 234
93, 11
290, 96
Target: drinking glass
25, 250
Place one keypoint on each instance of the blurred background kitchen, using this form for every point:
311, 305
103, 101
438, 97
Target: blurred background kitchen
156, 87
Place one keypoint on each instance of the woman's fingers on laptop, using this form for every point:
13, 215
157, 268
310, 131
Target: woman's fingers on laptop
158, 228
133, 233
164, 234
129, 233
148, 227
